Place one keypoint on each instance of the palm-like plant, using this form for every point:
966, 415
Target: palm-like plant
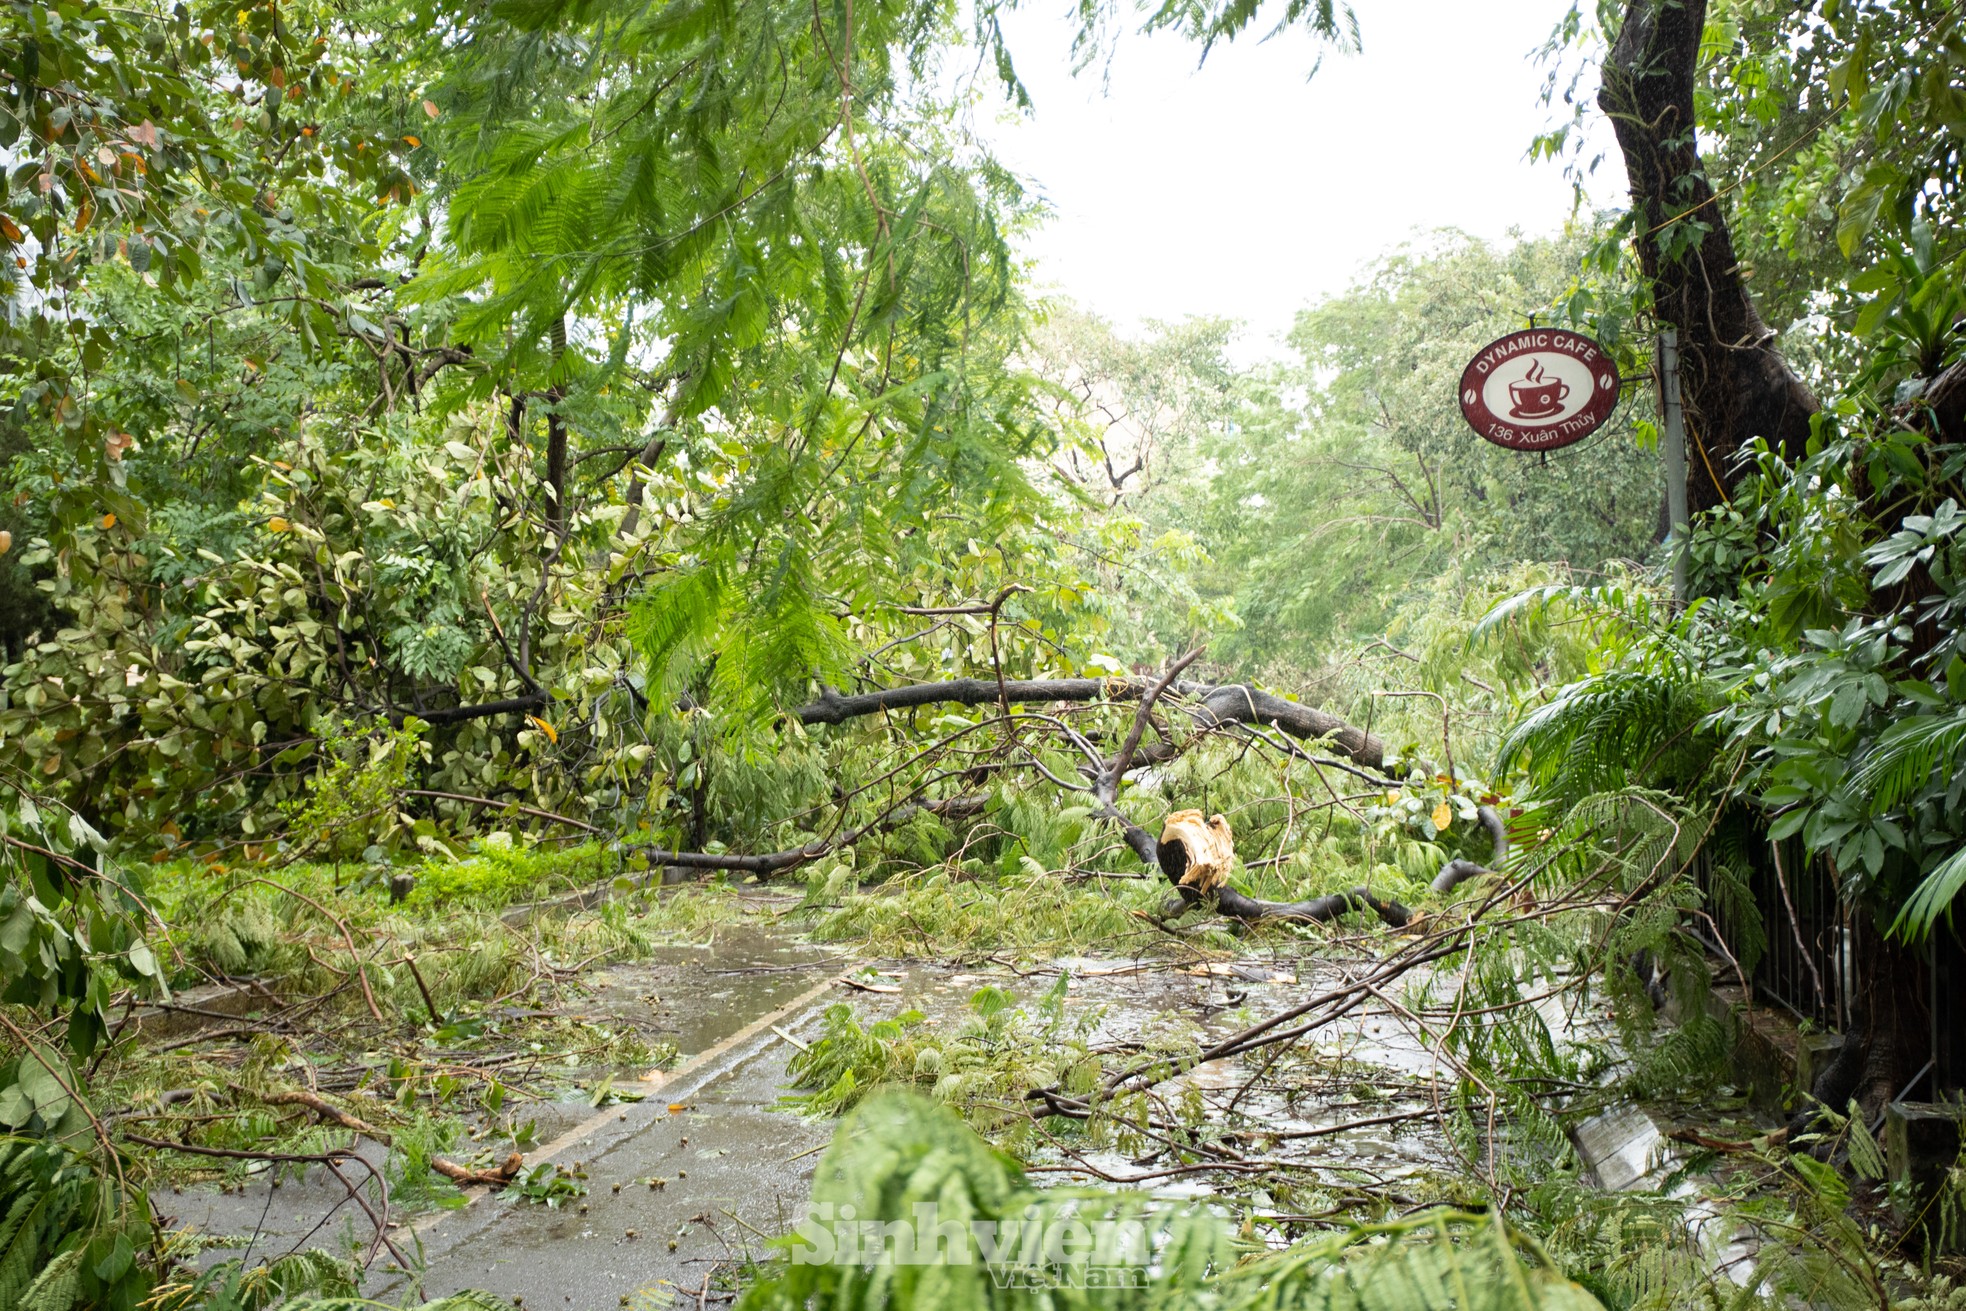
1919, 761
1638, 720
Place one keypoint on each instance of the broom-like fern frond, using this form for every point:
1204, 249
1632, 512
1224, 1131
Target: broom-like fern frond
1909, 755
1609, 730
1932, 898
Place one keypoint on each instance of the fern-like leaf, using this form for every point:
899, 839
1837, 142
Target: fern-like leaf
1932, 898
1909, 755
1622, 727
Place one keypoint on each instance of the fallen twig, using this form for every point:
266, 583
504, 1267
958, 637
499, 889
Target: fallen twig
507, 1171
464, 1174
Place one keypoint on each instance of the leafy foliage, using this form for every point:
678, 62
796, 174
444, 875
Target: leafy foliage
984, 1069
71, 1226
1351, 476
896, 1152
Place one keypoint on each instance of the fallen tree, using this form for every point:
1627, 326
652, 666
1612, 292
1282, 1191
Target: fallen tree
1236, 708
1213, 705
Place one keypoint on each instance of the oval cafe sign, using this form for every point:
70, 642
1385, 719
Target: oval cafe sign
1539, 390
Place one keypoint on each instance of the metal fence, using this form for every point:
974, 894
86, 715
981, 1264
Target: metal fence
1806, 964
1809, 964
1948, 973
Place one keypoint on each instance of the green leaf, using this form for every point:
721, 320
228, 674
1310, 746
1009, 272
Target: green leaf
1858, 213
118, 1260
1932, 898
16, 1107
42, 1076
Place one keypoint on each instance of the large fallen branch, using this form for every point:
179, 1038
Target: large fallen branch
1214, 705
1172, 857
1211, 705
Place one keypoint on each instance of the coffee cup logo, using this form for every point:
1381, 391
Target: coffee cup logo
1539, 389
1537, 395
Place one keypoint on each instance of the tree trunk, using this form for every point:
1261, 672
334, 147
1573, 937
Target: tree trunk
556, 438
1735, 385
1893, 993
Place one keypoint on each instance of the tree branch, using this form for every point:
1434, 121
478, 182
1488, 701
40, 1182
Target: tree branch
1216, 705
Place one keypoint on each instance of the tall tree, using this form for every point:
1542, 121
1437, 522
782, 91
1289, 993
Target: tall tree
1736, 385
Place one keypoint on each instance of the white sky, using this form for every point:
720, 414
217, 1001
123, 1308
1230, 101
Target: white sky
1240, 188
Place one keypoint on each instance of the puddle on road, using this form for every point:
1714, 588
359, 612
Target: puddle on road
697, 994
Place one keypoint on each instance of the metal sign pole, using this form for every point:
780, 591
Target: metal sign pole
1674, 441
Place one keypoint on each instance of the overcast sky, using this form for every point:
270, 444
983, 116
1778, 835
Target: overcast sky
1240, 188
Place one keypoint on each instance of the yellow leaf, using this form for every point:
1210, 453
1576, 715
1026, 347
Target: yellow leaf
108, 522
546, 728
1443, 816
6, 541
677, 1108
413, 141
279, 525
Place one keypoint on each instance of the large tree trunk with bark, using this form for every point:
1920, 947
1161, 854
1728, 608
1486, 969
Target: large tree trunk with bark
1734, 383
1889, 1040
1893, 994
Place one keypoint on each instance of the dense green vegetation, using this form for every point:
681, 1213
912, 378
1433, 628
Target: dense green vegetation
601, 439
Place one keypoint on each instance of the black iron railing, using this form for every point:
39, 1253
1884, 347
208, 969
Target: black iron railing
1809, 964
1948, 974
1806, 964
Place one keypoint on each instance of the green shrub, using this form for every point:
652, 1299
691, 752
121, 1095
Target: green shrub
500, 873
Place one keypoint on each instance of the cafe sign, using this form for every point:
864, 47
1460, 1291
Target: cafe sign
1539, 390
